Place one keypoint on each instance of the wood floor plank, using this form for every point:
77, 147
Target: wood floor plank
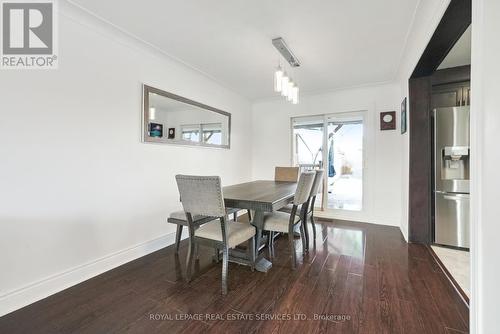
356, 278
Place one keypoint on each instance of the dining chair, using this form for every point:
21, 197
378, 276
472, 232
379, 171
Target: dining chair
202, 195
318, 178
279, 221
286, 174
179, 218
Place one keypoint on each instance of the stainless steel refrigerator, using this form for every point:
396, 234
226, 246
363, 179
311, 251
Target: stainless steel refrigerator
451, 176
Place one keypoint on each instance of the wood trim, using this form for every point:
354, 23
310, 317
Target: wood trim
420, 165
450, 278
455, 21
451, 75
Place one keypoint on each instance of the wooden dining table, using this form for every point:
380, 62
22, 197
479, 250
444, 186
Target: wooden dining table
260, 197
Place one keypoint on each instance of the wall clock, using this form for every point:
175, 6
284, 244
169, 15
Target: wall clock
171, 133
388, 120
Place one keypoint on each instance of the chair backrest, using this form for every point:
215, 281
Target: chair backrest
287, 174
201, 195
317, 182
304, 187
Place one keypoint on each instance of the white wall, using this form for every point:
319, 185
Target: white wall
427, 16
79, 192
272, 143
485, 181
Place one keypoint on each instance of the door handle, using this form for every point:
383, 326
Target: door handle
455, 197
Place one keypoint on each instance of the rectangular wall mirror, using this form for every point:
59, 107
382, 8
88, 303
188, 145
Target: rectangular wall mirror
173, 119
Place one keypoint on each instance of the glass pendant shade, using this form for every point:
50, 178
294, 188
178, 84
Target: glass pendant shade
295, 97
284, 85
291, 88
278, 77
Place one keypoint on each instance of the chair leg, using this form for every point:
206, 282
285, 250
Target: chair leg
303, 238
216, 255
251, 248
225, 259
273, 238
306, 232
292, 247
313, 224
235, 216
190, 256
270, 243
196, 251
178, 236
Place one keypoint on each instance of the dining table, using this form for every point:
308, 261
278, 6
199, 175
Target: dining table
260, 197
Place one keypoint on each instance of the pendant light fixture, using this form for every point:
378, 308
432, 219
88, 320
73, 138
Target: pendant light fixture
283, 84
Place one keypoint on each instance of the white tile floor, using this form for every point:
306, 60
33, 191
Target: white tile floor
458, 264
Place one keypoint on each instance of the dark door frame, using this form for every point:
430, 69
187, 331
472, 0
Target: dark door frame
455, 21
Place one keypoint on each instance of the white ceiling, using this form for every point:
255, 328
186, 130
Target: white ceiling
460, 54
340, 43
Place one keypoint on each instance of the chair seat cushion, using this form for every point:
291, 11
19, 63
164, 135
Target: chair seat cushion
236, 232
278, 221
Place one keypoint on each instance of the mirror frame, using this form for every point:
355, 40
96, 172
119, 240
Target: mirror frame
145, 119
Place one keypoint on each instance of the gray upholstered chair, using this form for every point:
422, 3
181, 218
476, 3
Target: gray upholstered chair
318, 178
279, 221
202, 195
179, 218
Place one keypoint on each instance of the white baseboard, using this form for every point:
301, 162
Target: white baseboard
33, 292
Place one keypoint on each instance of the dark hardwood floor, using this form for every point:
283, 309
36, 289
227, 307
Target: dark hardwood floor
359, 278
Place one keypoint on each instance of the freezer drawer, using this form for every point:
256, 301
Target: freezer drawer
452, 219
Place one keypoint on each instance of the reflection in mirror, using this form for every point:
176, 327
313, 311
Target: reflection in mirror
170, 118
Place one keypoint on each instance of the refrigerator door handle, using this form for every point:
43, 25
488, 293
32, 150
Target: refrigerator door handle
455, 197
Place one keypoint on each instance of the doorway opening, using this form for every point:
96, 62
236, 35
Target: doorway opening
439, 100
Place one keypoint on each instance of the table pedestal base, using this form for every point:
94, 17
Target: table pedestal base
263, 265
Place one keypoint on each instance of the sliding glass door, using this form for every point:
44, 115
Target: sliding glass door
345, 163
307, 143
335, 143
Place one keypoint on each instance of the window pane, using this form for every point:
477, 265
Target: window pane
191, 133
212, 133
